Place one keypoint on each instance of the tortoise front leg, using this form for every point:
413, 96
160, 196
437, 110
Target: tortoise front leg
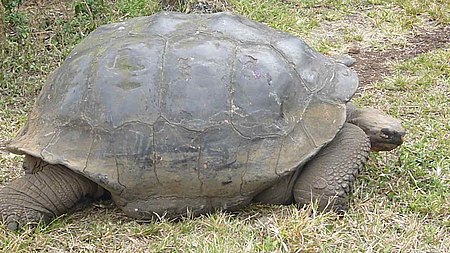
44, 195
329, 176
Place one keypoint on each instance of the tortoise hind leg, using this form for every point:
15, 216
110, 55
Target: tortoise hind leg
44, 195
329, 176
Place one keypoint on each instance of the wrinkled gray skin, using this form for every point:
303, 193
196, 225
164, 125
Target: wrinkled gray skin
175, 113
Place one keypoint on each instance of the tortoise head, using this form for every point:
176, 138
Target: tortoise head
385, 132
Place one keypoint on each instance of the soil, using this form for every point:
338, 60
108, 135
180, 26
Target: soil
372, 66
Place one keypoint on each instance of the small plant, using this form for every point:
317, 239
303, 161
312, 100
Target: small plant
9, 5
15, 22
88, 7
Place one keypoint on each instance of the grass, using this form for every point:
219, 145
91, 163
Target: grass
401, 202
420, 87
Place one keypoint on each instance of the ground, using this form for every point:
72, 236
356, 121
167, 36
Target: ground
401, 202
373, 65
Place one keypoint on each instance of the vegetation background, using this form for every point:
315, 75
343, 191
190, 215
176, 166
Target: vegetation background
402, 200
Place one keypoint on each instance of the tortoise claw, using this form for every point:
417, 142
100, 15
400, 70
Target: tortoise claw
12, 225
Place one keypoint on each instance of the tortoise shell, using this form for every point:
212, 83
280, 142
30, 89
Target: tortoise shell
173, 112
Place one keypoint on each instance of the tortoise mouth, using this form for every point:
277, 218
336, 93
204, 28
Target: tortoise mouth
393, 136
387, 140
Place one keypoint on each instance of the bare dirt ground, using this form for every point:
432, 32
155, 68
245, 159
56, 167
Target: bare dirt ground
372, 66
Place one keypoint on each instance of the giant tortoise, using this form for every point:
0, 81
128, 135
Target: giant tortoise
173, 114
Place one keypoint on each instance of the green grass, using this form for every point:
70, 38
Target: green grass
401, 202
419, 94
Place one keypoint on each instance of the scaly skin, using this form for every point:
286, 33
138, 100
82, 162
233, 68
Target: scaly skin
328, 178
40, 197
